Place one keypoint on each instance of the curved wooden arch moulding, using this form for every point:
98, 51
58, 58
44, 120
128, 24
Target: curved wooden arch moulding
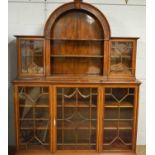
82, 6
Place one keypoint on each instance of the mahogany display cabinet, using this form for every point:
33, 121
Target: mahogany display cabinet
76, 91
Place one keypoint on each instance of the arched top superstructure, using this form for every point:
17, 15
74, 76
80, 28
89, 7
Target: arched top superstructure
83, 20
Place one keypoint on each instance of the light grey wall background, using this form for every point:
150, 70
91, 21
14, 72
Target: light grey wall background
27, 17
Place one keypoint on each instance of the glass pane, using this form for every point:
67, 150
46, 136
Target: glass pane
34, 118
32, 56
118, 118
76, 118
121, 57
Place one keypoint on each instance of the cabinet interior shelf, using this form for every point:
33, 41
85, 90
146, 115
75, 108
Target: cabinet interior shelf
117, 125
79, 128
92, 119
110, 104
67, 39
118, 119
73, 105
44, 144
77, 144
61, 94
121, 56
36, 128
36, 106
32, 56
36, 119
127, 144
77, 56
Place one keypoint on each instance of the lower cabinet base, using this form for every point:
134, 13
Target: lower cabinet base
74, 153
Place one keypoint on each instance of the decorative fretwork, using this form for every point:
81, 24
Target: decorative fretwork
76, 118
121, 57
32, 56
34, 118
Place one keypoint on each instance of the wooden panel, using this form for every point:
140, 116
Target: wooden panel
77, 24
77, 47
76, 66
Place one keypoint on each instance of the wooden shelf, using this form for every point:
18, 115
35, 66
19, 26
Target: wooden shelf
111, 104
77, 144
117, 147
86, 126
75, 128
67, 39
77, 56
88, 119
73, 104
126, 125
118, 47
36, 106
118, 119
36, 128
128, 144
32, 56
36, 119
129, 57
78, 126
61, 94
38, 146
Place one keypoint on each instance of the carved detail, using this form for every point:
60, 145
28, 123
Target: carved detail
78, 0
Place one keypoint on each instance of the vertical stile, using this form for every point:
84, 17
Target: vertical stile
63, 116
105, 59
50, 118
53, 117
100, 119
16, 109
90, 113
135, 114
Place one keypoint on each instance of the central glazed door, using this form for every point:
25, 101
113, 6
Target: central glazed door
76, 118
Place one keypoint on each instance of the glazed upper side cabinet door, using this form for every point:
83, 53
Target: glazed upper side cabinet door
122, 58
33, 122
31, 59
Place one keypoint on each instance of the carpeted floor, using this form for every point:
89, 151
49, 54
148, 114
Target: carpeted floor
141, 150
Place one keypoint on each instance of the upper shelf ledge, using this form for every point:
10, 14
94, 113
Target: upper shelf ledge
83, 39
